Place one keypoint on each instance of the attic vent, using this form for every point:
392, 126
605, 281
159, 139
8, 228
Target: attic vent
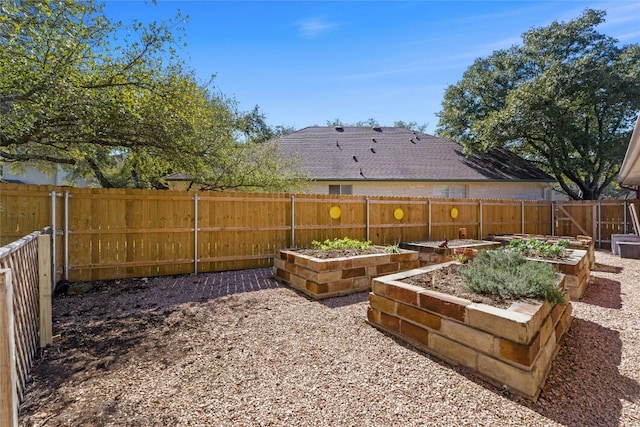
340, 128
372, 150
377, 128
355, 158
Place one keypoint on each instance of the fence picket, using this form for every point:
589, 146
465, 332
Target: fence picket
116, 233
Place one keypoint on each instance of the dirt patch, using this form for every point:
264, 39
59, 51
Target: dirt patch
339, 253
449, 280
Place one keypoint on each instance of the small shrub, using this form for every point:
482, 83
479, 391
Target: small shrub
508, 274
344, 243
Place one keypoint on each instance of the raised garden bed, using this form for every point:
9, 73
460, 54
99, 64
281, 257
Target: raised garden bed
329, 277
583, 243
576, 264
431, 253
512, 347
576, 268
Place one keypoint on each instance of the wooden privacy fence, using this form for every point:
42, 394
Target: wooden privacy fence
25, 315
117, 233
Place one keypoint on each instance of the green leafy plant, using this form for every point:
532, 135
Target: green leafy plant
344, 243
393, 249
508, 274
539, 249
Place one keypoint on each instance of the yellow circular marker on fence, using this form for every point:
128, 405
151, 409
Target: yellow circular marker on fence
398, 214
454, 213
335, 212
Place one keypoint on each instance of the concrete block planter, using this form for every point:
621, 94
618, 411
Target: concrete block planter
583, 243
325, 278
576, 265
430, 253
511, 347
577, 271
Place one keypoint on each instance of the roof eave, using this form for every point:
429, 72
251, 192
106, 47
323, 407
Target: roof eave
433, 180
630, 170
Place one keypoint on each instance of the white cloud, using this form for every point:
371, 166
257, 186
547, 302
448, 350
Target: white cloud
313, 27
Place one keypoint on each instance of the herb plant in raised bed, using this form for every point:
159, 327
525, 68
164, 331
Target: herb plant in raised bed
574, 263
508, 274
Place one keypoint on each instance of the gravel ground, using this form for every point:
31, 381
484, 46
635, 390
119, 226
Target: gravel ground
237, 349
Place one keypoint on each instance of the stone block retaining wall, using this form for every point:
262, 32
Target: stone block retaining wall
430, 254
583, 243
512, 347
324, 278
577, 271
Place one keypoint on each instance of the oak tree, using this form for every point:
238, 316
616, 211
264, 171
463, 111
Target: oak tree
566, 99
118, 103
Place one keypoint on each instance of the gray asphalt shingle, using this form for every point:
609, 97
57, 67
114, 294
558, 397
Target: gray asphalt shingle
391, 153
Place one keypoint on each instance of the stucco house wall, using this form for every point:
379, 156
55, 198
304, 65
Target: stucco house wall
34, 176
519, 191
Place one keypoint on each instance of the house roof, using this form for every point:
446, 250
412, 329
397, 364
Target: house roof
392, 153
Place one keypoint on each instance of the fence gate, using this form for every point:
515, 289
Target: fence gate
574, 219
598, 219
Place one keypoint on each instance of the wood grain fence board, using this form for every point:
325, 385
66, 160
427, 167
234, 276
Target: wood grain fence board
576, 218
23, 210
538, 218
45, 289
500, 218
9, 400
612, 219
133, 233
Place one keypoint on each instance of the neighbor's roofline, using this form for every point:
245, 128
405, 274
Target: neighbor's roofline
519, 181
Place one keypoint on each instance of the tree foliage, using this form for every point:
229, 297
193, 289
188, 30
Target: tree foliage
565, 99
374, 123
117, 103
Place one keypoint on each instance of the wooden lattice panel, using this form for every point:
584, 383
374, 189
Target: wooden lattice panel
22, 258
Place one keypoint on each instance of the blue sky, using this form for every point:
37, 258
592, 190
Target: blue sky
306, 62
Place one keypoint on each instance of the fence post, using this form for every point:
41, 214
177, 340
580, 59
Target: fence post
553, 218
480, 219
624, 216
8, 374
44, 287
522, 216
429, 219
293, 221
367, 206
66, 235
599, 224
53, 236
195, 234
